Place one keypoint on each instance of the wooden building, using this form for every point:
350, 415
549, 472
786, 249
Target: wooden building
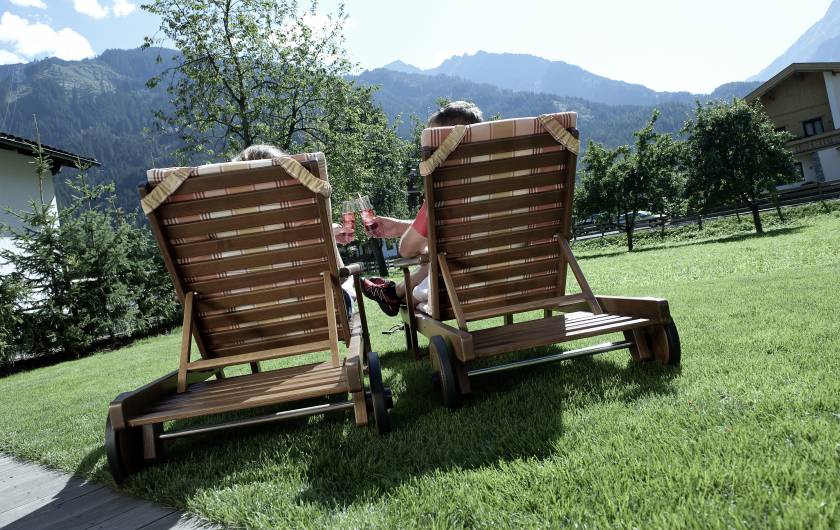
804, 99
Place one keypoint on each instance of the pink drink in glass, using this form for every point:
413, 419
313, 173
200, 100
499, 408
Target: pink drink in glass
348, 217
368, 215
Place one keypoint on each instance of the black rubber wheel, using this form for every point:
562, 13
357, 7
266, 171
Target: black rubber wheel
446, 372
124, 449
379, 395
674, 347
664, 342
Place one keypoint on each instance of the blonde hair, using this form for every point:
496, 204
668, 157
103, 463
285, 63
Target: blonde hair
258, 152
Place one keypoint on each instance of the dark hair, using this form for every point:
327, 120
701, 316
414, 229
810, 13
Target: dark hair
456, 113
258, 152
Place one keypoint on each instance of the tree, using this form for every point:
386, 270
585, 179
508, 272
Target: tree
249, 71
265, 71
735, 155
626, 180
11, 316
83, 274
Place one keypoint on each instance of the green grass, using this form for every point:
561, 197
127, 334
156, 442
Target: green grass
746, 434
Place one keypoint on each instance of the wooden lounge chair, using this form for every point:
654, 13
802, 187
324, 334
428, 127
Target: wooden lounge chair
499, 196
250, 250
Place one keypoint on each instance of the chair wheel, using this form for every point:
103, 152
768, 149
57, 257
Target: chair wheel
124, 449
664, 341
442, 352
380, 396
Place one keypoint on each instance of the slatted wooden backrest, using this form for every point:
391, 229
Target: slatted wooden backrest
252, 242
498, 207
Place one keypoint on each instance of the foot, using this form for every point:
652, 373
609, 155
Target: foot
384, 293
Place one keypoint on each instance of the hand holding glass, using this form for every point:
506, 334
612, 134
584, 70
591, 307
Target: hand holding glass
368, 215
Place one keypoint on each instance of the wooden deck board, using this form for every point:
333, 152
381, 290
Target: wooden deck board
34, 497
545, 331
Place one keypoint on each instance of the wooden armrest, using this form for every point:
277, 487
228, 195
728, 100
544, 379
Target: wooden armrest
403, 263
348, 270
655, 309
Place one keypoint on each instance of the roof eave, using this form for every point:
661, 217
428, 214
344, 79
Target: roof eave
789, 71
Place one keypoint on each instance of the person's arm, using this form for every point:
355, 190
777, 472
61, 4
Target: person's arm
388, 227
412, 243
415, 239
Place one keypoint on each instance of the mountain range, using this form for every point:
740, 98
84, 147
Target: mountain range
101, 107
528, 73
821, 42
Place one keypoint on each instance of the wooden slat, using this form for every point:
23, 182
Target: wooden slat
252, 381
494, 224
233, 202
502, 145
541, 251
258, 240
503, 165
230, 360
502, 288
268, 294
274, 398
231, 179
288, 389
504, 204
543, 303
249, 261
310, 322
256, 279
210, 395
513, 299
237, 222
499, 240
546, 331
460, 191
273, 343
540, 267
211, 322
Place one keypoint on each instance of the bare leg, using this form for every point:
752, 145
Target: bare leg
417, 276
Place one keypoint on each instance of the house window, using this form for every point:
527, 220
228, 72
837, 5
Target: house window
800, 171
813, 127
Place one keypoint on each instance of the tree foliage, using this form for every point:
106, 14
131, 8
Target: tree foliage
267, 71
734, 155
83, 274
623, 181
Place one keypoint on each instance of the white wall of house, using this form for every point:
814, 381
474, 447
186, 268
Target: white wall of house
832, 88
830, 160
809, 170
18, 187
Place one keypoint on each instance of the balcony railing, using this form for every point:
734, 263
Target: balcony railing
815, 143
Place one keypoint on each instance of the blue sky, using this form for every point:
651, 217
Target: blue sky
692, 45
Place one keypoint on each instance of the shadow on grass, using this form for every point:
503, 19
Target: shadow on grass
715, 240
510, 415
331, 463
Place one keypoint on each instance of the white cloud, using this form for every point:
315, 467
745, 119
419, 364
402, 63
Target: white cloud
7, 57
91, 8
33, 39
122, 8
30, 3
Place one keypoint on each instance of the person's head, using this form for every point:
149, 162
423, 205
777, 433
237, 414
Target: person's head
456, 113
258, 152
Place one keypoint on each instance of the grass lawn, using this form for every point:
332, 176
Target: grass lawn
746, 434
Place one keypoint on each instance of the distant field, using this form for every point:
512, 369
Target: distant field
746, 434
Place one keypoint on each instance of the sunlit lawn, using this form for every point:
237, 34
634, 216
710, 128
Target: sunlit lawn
745, 435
